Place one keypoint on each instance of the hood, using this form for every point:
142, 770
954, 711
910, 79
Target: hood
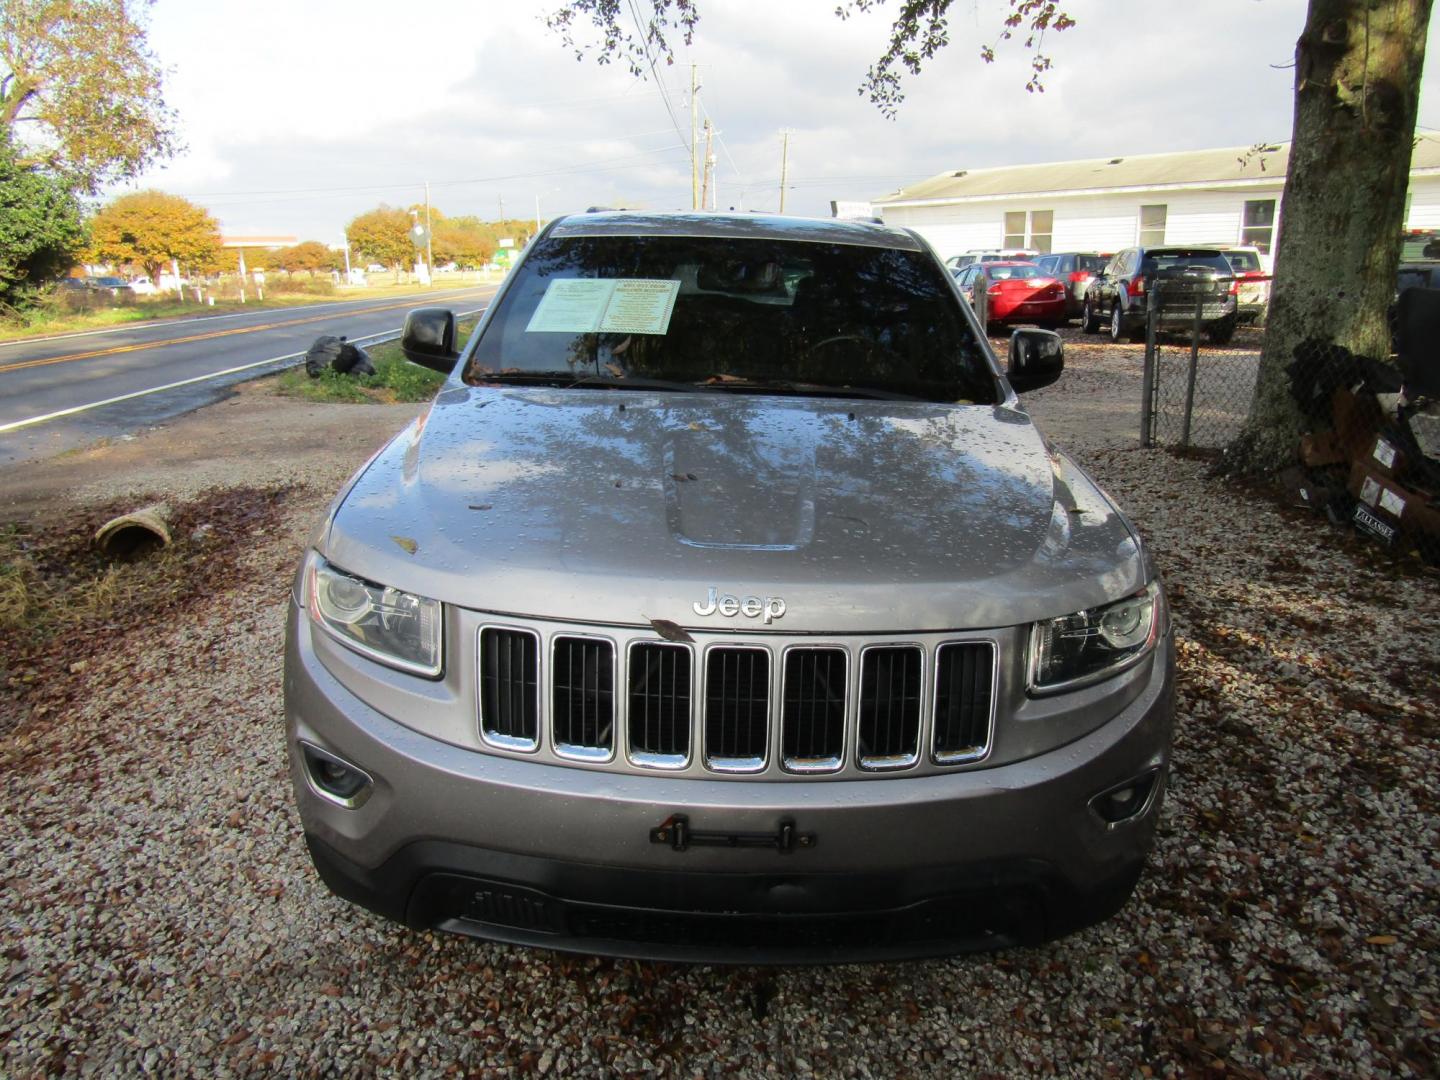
620, 507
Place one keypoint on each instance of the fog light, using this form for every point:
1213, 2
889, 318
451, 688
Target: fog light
1126, 800
335, 779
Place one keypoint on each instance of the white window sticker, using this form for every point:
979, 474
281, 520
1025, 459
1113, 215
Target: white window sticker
572, 306
1384, 453
1392, 502
1369, 491
606, 306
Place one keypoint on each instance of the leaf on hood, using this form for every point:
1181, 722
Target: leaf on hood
671, 631
405, 542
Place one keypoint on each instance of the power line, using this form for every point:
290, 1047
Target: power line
659, 83
324, 193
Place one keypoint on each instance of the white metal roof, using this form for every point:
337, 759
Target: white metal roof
1232, 166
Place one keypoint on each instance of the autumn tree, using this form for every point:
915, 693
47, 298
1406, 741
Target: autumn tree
80, 91
150, 228
383, 234
308, 257
464, 240
40, 228
1357, 89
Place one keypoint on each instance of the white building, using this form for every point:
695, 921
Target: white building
1225, 196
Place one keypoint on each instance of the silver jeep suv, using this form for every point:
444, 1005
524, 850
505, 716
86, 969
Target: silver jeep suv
727, 605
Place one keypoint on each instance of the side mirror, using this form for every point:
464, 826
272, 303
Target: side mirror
1037, 358
429, 339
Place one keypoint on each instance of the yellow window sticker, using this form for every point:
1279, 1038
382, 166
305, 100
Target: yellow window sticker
605, 306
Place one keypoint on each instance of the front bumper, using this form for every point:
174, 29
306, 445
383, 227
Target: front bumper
537, 854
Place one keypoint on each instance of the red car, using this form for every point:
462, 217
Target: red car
1019, 292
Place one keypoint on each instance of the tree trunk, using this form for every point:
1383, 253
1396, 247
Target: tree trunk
1357, 90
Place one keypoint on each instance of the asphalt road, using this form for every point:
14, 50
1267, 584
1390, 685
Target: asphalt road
60, 393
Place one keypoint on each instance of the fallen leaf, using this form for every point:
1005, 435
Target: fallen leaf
1380, 939
671, 631
405, 542
480, 506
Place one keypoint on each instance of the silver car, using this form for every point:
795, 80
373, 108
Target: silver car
726, 605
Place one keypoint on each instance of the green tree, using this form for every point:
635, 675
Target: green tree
80, 91
40, 228
307, 256
150, 228
382, 234
1357, 92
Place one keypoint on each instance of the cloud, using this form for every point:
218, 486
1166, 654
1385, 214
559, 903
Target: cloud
298, 118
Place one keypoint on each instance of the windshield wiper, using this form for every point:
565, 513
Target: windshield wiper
567, 379
787, 386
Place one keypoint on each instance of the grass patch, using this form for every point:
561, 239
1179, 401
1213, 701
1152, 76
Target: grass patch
62, 603
395, 381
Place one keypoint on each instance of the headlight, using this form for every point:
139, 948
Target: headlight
385, 624
1076, 650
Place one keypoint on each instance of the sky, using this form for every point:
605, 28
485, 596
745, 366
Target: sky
297, 115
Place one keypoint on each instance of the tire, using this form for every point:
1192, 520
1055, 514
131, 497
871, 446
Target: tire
1220, 332
1117, 325
1089, 324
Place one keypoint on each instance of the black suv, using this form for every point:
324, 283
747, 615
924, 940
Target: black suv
1180, 276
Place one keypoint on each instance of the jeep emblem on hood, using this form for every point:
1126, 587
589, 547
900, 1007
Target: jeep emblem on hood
767, 609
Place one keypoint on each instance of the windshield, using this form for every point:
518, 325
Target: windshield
1091, 262
1198, 258
734, 313
1243, 261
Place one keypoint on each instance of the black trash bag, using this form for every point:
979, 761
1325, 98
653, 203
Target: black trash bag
323, 353
355, 361
1321, 367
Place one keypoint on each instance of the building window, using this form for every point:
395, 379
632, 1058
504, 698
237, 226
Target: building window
1152, 225
1258, 227
1033, 229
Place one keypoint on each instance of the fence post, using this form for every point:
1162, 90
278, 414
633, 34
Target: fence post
1190, 377
1147, 385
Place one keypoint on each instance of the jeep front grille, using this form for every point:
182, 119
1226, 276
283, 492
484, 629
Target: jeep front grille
889, 721
813, 719
963, 676
582, 697
510, 688
659, 704
771, 705
737, 708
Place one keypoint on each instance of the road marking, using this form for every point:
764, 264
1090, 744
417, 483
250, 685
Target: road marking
372, 339
115, 350
145, 324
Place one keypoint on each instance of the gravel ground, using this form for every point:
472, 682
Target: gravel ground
160, 915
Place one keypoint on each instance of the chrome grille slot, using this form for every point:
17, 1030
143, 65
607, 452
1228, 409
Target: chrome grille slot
737, 708
509, 688
813, 718
658, 713
582, 697
964, 677
888, 731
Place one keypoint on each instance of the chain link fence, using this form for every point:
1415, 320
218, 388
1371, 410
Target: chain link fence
1198, 386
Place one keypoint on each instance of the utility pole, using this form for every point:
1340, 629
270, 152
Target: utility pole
784, 164
429, 247
502, 209
705, 191
537, 215
694, 163
346, 238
